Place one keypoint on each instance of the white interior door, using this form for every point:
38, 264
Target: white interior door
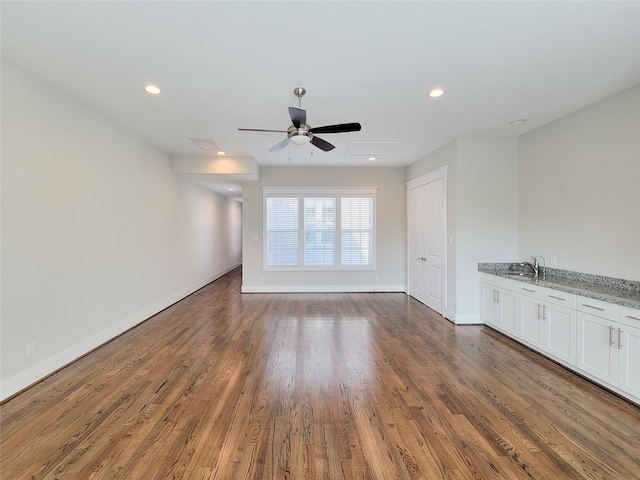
427, 230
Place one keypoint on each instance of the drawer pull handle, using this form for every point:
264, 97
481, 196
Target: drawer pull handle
527, 290
595, 308
557, 298
631, 316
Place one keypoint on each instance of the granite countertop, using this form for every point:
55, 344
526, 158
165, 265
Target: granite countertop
608, 289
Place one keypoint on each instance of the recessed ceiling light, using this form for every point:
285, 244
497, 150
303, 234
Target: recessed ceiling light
231, 189
152, 89
372, 158
436, 92
220, 152
518, 122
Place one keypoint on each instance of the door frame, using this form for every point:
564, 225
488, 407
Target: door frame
430, 177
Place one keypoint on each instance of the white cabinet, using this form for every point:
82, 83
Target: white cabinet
507, 313
533, 331
599, 339
547, 326
488, 294
560, 332
609, 344
629, 350
560, 325
531, 321
499, 307
597, 353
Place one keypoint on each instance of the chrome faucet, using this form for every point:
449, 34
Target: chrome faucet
543, 268
534, 266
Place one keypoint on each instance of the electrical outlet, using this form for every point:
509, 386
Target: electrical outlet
377, 277
261, 278
31, 349
554, 261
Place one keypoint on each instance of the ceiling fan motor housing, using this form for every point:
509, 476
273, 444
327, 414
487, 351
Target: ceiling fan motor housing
300, 135
301, 130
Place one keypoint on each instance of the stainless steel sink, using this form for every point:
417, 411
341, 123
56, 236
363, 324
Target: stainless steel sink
524, 276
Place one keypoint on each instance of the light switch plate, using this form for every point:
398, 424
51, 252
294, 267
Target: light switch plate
255, 236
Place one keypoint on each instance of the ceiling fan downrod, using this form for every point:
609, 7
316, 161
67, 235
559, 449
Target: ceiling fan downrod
299, 92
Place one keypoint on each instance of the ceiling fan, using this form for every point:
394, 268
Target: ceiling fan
300, 133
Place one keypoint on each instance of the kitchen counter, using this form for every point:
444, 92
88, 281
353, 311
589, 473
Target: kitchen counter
608, 289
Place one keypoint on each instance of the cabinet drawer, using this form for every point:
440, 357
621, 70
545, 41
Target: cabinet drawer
597, 308
498, 282
560, 298
630, 316
528, 289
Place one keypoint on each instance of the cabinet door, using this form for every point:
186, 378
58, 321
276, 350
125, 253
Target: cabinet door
532, 324
597, 353
507, 314
629, 358
488, 303
560, 332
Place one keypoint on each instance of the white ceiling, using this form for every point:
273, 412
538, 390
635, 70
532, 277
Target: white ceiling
224, 65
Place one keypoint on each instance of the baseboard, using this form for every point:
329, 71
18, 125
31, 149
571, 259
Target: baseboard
449, 315
322, 288
15, 384
469, 319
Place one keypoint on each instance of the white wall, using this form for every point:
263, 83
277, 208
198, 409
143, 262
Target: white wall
390, 224
482, 212
579, 189
97, 232
487, 216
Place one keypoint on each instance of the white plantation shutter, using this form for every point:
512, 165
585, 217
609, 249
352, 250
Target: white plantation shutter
282, 231
319, 232
356, 231
319, 228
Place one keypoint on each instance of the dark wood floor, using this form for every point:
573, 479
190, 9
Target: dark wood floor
315, 386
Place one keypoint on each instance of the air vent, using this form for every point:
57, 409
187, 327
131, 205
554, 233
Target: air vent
205, 143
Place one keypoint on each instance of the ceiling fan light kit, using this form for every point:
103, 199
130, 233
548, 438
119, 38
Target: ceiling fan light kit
300, 139
300, 133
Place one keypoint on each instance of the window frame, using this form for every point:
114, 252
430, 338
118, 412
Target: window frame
320, 192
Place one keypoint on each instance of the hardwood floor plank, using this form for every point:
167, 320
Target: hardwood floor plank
329, 386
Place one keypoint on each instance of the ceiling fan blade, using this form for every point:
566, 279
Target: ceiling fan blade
340, 128
280, 145
298, 116
261, 130
322, 144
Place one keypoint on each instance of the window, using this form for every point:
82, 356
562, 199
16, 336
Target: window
282, 232
319, 232
357, 231
319, 228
